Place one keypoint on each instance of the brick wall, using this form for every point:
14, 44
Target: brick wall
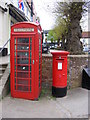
76, 63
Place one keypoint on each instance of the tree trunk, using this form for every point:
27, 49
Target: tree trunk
73, 40
63, 42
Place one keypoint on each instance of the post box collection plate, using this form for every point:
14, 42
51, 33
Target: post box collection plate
59, 66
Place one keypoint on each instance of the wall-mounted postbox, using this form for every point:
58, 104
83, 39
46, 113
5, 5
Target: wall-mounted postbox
59, 84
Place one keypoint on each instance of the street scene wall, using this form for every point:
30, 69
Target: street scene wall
76, 63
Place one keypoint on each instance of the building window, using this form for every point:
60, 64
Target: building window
27, 11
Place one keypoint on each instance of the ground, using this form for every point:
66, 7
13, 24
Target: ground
74, 105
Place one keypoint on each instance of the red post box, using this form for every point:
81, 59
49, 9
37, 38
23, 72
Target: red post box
59, 84
26, 60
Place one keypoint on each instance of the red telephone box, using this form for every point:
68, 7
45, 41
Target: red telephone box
26, 60
59, 86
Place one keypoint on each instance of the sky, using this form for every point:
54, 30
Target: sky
44, 9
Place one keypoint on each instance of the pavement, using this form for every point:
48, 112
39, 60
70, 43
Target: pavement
74, 105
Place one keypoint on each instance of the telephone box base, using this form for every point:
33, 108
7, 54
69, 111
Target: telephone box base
59, 92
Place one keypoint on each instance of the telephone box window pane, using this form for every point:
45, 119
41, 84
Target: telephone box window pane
15, 53
15, 60
15, 47
30, 82
30, 68
23, 61
23, 40
15, 74
15, 67
22, 88
39, 47
22, 54
39, 62
15, 80
39, 54
22, 68
22, 81
39, 41
15, 40
30, 89
30, 61
22, 47
25, 88
22, 74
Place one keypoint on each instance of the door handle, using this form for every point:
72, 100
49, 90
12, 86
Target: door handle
33, 61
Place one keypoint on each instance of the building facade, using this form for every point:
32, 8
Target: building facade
11, 12
86, 40
45, 36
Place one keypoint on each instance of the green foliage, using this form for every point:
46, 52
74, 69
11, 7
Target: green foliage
51, 35
60, 28
58, 31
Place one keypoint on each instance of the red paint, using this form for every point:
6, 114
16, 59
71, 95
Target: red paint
26, 65
59, 72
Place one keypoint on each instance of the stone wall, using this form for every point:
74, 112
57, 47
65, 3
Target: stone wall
76, 63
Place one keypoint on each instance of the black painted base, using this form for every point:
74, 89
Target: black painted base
59, 92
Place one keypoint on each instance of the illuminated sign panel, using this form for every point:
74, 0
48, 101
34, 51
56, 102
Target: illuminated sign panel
24, 30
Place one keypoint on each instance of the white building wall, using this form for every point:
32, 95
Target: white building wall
1, 28
4, 25
14, 2
5, 21
4, 28
35, 13
88, 21
26, 7
27, 10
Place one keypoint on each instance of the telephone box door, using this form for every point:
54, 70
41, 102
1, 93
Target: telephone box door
22, 74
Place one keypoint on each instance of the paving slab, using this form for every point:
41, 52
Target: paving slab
74, 105
19, 108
